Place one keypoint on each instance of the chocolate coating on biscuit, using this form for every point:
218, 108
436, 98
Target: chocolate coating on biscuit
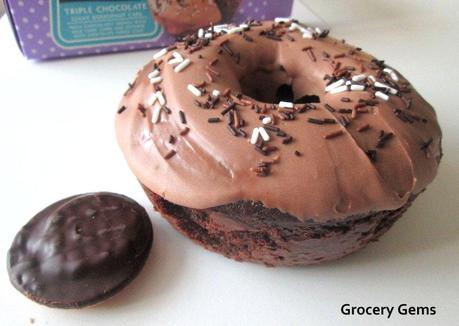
80, 250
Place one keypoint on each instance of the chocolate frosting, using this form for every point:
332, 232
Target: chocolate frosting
370, 155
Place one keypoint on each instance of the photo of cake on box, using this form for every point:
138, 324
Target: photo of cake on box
182, 16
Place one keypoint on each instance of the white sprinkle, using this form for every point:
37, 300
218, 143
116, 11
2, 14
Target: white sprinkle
348, 83
175, 61
153, 74
394, 76
335, 85
216, 93
145, 136
244, 26
318, 30
182, 65
161, 98
308, 35
357, 88
177, 55
283, 104
359, 78
264, 134
392, 90
152, 99
255, 134
208, 35
294, 26
381, 85
159, 54
200, 33
302, 29
266, 121
235, 30
156, 80
372, 78
339, 89
219, 28
194, 90
280, 20
388, 70
156, 114
382, 96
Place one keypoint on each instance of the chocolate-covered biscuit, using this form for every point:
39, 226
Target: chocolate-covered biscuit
80, 250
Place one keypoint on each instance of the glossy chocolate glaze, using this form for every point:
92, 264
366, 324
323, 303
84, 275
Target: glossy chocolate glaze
80, 250
333, 175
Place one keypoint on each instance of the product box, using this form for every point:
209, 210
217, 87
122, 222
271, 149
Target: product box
47, 29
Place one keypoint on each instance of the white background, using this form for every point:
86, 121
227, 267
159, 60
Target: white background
57, 139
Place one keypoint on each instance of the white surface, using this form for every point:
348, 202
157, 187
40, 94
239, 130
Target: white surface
57, 139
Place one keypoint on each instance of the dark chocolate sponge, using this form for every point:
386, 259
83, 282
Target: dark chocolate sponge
80, 250
248, 231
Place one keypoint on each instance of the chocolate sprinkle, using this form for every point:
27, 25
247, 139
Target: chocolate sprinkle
121, 109
182, 117
242, 132
344, 121
425, 145
213, 120
333, 134
185, 131
363, 128
213, 62
271, 128
230, 107
315, 121
383, 138
372, 155
287, 140
247, 37
232, 129
329, 121
142, 110
330, 108
170, 154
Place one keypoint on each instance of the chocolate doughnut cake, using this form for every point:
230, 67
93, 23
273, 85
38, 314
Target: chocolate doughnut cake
183, 16
273, 142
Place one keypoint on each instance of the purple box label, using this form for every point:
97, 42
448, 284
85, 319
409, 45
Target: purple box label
48, 29
76, 23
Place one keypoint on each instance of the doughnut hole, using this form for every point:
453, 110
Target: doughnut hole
273, 86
